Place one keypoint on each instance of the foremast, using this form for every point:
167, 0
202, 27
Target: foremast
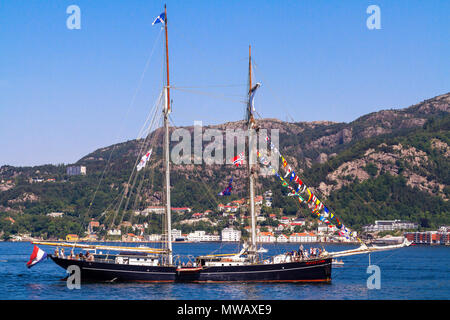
251, 146
166, 111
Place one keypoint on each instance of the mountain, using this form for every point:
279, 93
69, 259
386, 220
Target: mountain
391, 164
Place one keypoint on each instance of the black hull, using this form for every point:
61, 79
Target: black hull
304, 271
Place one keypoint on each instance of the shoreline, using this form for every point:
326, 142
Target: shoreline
223, 242
144, 242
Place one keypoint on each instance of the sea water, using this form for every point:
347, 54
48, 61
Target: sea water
413, 273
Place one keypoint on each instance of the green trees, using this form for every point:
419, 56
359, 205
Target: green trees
382, 196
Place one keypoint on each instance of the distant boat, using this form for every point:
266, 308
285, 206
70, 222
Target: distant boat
262, 250
336, 262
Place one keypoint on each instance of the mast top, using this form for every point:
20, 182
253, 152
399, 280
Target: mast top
249, 68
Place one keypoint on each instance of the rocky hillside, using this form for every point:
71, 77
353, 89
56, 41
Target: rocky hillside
387, 164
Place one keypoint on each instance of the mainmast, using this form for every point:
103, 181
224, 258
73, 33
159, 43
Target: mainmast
166, 112
251, 141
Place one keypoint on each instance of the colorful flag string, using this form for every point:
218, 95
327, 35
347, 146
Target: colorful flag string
310, 199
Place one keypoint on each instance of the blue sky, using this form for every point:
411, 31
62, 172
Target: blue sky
65, 93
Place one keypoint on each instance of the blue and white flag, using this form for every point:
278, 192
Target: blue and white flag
252, 96
227, 191
160, 19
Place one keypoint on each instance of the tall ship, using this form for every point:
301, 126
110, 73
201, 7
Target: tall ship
131, 263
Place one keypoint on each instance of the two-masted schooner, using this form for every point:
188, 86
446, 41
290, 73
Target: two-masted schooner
157, 265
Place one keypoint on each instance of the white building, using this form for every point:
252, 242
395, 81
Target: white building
152, 237
390, 225
201, 235
268, 198
230, 234
303, 237
153, 209
299, 222
324, 228
265, 237
282, 238
55, 214
176, 234
114, 232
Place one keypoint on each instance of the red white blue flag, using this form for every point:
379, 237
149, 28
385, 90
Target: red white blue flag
36, 256
239, 159
144, 160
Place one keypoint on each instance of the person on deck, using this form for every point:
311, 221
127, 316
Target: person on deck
300, 251
89, 257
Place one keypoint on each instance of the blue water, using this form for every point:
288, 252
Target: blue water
416, 272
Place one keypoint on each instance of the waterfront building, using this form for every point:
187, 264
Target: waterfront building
428, 237
230, 234
92, 224
72, 237
282, 238
267, 237
303, 237
389, 225
176, 234
152, 237
201, 235
130, 237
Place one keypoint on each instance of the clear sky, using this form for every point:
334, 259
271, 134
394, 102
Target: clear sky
65, 93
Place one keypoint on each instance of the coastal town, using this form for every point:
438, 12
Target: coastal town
230, 223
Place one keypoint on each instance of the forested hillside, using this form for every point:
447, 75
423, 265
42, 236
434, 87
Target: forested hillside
392, 164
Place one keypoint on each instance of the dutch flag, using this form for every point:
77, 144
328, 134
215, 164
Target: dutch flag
36, 256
